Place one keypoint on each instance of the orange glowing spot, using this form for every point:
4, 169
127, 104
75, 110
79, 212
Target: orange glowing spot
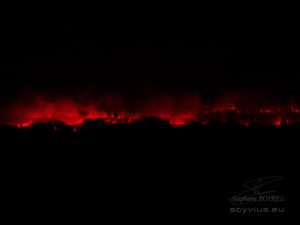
26, 124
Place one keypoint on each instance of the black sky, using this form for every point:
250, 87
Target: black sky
131, 51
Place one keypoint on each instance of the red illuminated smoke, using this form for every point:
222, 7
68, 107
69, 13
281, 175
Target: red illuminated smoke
177, 109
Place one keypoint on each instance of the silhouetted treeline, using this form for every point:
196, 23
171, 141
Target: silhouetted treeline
148, 161
99, 126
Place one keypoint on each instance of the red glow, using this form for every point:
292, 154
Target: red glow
178, 110
277, 122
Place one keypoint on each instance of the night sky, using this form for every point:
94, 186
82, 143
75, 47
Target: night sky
138, 54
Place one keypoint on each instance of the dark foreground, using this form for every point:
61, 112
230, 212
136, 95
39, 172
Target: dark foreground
147, 171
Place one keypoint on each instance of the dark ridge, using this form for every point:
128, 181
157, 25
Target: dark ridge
98, 126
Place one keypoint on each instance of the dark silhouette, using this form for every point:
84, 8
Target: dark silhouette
283, 122
96, 127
